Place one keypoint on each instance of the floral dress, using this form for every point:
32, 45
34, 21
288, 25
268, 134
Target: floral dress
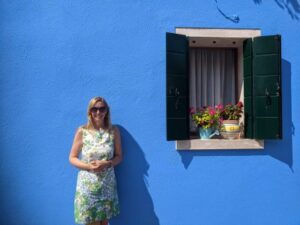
96, 196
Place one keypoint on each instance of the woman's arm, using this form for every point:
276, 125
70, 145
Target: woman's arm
75, 150
118, 148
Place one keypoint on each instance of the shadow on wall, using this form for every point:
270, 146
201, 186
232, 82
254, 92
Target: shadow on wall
281, 150
233, 18
292, 7
135, 201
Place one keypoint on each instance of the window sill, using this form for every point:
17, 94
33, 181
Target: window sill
219, 144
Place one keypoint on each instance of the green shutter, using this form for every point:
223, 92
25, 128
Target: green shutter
248, 88
267, 87
177, 87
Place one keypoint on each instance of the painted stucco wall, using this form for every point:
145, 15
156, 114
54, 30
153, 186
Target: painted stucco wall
56, 55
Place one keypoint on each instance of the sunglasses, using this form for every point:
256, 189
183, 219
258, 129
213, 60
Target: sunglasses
101, 109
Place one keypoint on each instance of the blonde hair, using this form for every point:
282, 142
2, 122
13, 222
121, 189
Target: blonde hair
107, 121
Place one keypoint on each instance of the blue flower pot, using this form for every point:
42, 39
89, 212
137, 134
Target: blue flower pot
207, 133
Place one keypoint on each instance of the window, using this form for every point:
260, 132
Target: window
212, 77
258, 80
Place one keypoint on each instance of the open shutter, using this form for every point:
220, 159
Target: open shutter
248, 88
266, 87
177, 87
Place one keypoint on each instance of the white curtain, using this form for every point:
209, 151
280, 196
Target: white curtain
212, 77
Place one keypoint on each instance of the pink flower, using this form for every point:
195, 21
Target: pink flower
220, 106
212, 112
211, 121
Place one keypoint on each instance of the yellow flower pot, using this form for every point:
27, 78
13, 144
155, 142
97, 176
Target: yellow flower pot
230, 129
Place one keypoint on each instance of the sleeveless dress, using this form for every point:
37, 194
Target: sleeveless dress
96, 195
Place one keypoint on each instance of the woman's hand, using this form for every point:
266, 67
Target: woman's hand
99, 165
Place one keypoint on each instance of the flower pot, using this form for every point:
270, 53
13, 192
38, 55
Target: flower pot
230, 129
207, 133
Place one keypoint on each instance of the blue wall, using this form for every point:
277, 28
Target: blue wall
56, 55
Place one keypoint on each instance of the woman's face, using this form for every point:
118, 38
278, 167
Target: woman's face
98, 112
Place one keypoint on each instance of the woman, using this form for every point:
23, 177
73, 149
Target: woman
99, 143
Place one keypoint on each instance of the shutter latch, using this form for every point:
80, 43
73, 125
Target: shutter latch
268, 98
177, 94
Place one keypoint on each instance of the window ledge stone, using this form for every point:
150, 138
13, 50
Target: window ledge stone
219, 144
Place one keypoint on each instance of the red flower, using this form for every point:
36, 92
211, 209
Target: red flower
240, 104
192, 110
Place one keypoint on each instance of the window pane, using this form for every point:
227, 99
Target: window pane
212, 77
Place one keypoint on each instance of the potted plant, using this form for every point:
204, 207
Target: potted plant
207, 119
230, 116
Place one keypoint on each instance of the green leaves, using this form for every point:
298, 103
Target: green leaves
207, 117
232, 112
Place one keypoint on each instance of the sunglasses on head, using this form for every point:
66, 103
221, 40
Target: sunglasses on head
101, 109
